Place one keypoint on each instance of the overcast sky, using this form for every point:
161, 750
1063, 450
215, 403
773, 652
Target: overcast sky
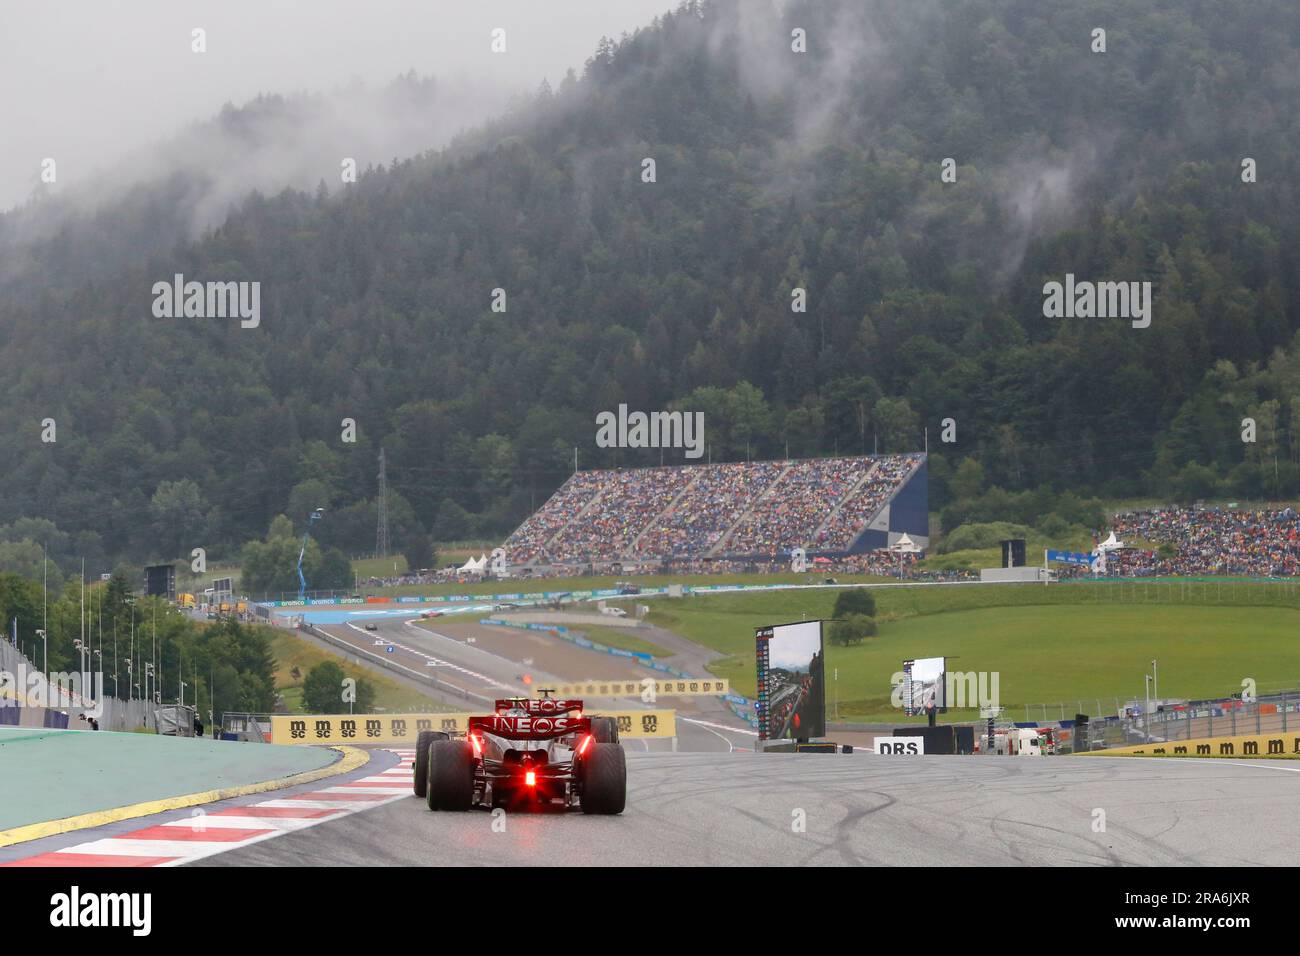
86, 81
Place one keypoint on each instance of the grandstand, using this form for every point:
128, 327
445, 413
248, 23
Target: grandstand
757, 511
1208, 541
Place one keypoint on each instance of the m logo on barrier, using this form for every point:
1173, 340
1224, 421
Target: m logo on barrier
390, 729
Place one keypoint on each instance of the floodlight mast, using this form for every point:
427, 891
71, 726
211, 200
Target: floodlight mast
302, 581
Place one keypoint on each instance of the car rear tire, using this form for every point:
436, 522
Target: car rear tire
450, 783
420, 776
604, 779
604, 730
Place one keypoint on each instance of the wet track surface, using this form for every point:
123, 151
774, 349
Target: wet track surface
742, 808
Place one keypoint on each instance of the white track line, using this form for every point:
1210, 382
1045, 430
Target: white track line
429, 658
731, 730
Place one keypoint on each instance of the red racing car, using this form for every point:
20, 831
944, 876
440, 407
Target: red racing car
530, 754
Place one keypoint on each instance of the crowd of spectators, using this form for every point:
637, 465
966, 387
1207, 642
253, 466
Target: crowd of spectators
528, 543
864, 502
629, 502
883, 563
1205, 541
410, 577
704, 512
759, 509
805, 497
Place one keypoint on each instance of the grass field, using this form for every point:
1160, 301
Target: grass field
194, 584
1068, 644
292, 652
623, 638
458, 551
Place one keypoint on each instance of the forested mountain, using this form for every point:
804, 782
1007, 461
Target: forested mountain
773, 170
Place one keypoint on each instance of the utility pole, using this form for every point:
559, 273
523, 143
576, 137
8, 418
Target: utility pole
130, 677
82, 615
381, 531
45, 613
1146, 715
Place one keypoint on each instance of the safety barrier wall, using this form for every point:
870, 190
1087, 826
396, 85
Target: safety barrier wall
564, 634
67, 707
540, 596
605, 687
397, 729
1278, 745
579, 619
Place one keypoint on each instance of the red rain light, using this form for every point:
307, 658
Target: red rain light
530, 778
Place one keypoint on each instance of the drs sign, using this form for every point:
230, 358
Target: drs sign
900, 746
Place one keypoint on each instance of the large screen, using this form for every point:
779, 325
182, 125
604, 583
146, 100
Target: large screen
925, 685
791, 681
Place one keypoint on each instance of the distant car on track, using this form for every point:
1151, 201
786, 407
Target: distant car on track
530, 754
371, 626
428, 614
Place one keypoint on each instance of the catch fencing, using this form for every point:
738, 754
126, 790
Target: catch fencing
1127, 723
112, 714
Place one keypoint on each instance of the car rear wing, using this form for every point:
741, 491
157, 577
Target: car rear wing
529, 726
544, 705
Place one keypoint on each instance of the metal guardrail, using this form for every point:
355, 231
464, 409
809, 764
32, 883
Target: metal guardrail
1171, 721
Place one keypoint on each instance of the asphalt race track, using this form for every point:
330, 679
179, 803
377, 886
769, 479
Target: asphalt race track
474, 664
740, 809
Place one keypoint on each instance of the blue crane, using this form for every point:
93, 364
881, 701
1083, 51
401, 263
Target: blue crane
302, 581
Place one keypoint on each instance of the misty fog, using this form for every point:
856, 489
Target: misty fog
109, 90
